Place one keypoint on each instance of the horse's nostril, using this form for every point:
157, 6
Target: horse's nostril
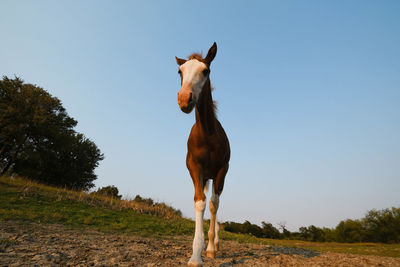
191, 97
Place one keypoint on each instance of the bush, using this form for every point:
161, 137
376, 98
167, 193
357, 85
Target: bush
147, 201
109, 191
267, 230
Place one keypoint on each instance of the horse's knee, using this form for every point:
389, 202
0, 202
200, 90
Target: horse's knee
199, 195
200, 205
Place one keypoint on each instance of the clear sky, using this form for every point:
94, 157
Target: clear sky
308, 93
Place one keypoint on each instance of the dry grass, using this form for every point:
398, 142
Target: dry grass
31, 188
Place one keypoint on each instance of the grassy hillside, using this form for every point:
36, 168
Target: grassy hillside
24, 200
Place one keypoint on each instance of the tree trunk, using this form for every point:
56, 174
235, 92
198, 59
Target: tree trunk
12, 160
6, 168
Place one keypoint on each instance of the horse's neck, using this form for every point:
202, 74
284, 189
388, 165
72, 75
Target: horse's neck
205, 115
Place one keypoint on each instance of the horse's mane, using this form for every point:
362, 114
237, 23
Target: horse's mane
197, 56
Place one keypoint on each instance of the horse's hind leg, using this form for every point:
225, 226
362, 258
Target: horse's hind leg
213, 231
213, 239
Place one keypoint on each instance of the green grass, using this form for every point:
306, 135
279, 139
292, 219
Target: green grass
377, 249
24, 200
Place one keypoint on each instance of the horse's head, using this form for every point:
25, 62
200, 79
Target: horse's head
194, 74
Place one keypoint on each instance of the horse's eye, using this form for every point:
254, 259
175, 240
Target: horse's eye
206, 72
179, 71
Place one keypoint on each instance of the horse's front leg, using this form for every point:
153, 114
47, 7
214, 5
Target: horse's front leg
199, 207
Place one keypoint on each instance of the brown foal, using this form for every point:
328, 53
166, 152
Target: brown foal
208, 147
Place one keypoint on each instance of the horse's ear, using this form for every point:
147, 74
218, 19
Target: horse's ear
180, 61
211, 53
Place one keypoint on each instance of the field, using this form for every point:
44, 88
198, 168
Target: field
42, 224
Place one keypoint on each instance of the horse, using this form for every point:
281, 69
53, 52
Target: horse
208, 150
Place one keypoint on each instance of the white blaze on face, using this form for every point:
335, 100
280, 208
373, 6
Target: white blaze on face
193, 77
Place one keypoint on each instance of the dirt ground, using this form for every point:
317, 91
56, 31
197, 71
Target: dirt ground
34, 244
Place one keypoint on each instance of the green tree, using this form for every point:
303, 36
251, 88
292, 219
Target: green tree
253, 229
329, 234
285, 232
382, 225
233, 227
312, 233
269, 231
350, 231
37, 139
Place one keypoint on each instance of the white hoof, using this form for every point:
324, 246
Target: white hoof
195, 263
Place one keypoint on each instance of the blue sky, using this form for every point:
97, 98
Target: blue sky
308, 93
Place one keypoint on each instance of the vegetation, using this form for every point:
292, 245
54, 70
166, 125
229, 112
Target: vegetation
21, 196
37, 139
108, 191
377, 226
378, 249
29, 201
266, 231
21, 199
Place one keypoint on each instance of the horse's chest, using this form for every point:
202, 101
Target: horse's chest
206, 155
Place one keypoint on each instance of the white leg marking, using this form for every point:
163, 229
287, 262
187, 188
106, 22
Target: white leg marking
214, 228
216, 239
198, 241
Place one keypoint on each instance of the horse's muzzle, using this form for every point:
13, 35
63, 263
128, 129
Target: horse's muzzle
188, 108
186, 102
